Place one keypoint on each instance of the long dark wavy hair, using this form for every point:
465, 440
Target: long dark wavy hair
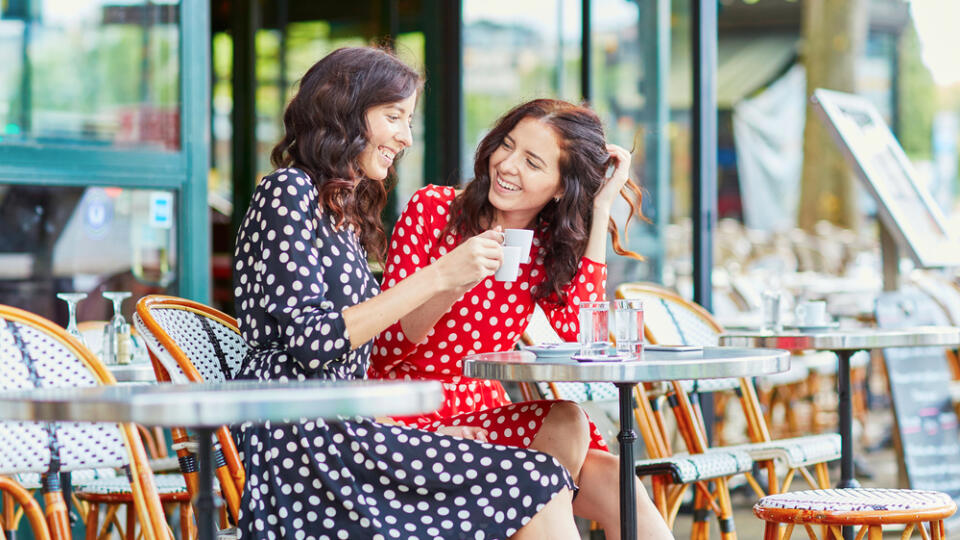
325, 131
565, 224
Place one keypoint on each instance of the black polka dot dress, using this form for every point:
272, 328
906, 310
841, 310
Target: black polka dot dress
294, 271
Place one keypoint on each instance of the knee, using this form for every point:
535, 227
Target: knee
570, 418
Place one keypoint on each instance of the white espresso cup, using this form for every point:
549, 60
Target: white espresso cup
510, 266
811, 313
521, 238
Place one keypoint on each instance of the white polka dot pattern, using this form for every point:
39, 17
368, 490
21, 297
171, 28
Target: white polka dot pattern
351, 478
490, 317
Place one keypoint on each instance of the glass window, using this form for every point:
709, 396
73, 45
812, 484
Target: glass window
512, 52
74, 239
92, 72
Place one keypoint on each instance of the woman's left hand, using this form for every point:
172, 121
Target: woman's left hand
621, 172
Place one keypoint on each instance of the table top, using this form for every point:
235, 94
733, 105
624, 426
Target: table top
846, 339
136, 372
213, 405
710, 363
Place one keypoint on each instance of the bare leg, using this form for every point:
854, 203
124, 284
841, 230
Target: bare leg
598, 501
565, 435
553, 522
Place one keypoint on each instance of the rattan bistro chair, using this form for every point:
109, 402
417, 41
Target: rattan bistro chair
868, 509
668, 318
191, 342
36, 353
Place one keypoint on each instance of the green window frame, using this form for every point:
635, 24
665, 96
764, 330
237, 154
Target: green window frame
183, 172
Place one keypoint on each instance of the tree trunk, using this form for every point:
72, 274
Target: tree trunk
834, 35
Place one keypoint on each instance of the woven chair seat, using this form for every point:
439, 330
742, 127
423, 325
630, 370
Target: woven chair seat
167, 464
836, 503
797, 451
686, 468
166, 484
710, 385
77, 478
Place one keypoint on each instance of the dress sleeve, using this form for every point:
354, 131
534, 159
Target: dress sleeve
292, 276
414, 239
589, 284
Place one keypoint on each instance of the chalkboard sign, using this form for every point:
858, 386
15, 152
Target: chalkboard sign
919, 385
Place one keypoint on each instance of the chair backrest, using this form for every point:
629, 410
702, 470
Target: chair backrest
192, 341
36, 353
670, 319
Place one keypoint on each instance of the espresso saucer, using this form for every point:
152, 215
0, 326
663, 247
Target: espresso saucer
814, 327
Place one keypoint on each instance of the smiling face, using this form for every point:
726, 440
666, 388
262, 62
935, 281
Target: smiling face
388, 132
524, 173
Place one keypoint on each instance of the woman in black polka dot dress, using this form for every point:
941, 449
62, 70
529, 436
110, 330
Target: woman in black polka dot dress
309, 307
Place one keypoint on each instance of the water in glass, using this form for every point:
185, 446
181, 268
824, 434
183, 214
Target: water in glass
628, 326
594, 328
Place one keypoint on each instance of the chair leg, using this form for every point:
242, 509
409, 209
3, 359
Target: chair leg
131, 514
699, 530
187, 529
725, 516
56, 510
771, 531
109, 520
936, 528
92, 521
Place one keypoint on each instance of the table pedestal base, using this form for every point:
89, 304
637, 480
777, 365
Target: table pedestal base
626, 437
206, 504
845, 406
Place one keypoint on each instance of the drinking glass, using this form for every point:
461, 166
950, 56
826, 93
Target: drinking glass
628, 326
116, 334
771, 304
72, 299
594, 328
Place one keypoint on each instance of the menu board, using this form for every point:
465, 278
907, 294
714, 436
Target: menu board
919, 386
905, 208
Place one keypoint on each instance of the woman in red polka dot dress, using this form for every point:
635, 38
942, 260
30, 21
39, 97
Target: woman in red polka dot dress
542, 167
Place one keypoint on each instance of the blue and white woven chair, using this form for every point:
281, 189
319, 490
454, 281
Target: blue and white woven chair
190, 342
36, 353
668, 318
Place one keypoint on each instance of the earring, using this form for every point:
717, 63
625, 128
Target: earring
556, 198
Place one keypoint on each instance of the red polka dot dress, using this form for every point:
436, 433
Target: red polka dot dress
490, 317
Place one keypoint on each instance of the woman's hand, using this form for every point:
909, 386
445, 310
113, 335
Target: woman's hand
621, 172
470, 262
465, 432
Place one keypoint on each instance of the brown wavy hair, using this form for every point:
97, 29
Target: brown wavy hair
565, 224
325, 131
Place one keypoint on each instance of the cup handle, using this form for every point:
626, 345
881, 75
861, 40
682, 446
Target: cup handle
801, 313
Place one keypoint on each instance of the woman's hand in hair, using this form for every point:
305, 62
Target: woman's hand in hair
620, 159
465, 432
472, 261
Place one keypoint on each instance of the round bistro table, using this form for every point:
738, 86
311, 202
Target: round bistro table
205, 407
709, 363
844, 343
